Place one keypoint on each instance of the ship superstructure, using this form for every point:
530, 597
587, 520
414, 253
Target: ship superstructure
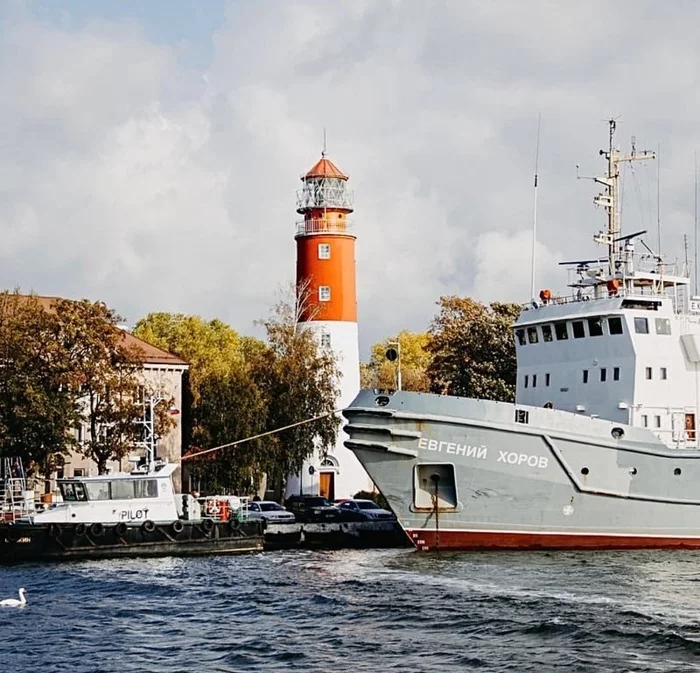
600, 448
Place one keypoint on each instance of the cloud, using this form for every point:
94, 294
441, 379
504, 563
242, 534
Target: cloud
155, 184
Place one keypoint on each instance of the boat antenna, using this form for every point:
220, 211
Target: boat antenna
658, 196
695, 265
534, 211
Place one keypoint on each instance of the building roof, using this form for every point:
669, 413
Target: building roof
152, 355
325, 168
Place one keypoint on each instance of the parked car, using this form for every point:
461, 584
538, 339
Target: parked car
365, 510
312, 508
272, 512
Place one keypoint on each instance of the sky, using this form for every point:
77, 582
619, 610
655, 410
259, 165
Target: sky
150, 152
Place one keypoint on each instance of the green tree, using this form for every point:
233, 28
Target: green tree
39, 406
381, 373
472, 349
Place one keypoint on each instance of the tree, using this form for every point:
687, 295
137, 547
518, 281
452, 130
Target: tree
472, 349
105, 371
39, 407
299, 380
381, 373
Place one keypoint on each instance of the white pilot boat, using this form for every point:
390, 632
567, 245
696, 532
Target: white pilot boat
122, 514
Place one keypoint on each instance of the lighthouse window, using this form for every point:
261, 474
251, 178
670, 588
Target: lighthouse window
520, 333
595, 327
561, 331
579, 331
546, 332
326, 340
641, 326
615, 324
324, 250
663, 326
324, 293
532, 335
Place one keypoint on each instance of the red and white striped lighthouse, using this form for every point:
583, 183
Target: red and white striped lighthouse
326, 274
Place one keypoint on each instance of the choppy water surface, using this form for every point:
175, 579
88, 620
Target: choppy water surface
355, 611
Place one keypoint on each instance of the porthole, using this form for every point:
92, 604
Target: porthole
584, 471
677, 471
633, 470
381, 401
617, 433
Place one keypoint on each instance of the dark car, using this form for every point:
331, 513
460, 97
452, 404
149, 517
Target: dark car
365, 510
312, 508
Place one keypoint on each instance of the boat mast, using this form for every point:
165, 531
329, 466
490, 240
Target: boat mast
610, 197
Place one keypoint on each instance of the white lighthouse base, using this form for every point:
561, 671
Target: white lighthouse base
340, 474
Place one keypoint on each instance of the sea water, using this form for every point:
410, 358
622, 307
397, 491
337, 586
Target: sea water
356, 611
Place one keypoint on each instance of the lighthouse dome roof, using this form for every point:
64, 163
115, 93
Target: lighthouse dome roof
324, 168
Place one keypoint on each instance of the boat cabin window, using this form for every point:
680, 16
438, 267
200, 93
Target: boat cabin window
546, 332
641, 304
579, 331
561, 331
595, 326
616, 373
98, 490
127, 489
520, 334
532, 335
615, 324
663, 326
73, 492
603, 374
146, 488
641, 326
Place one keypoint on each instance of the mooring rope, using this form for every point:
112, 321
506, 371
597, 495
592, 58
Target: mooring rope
262, 434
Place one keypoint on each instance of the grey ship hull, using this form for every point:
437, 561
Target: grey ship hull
463, 474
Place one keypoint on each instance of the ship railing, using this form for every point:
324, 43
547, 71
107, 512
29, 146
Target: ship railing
320, 226
16, 500
224, 507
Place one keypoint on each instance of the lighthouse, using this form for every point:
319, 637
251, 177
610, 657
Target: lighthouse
326, 275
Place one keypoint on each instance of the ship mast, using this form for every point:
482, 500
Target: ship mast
609, 199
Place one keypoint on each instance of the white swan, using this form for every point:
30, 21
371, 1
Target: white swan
14, 602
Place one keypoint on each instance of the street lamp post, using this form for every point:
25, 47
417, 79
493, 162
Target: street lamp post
393, 353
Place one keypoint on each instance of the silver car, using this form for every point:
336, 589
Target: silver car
270, 511
365, 510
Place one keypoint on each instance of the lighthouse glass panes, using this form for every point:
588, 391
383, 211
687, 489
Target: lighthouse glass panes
324, 250
324, 293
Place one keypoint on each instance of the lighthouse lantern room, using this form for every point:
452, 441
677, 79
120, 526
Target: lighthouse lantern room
326, 277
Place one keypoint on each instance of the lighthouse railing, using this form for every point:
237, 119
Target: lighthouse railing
325, 226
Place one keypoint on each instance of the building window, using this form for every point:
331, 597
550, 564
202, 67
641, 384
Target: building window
616, 373
534, 380
657, 421
324, 293
648, 373
527, 378
579, 331
79, 472
325, 340
585, 376
664, 373
603, 375
546, 332
532, 335
520, 334
641, 326
546, 380
663, 326
645, 421
595, 327
561, 331
615, 324
324, 250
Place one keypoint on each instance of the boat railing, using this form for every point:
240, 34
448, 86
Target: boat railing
224, 507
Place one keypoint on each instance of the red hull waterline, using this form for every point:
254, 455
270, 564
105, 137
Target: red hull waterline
430, 540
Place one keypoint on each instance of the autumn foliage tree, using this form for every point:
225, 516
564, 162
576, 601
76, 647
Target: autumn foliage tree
472, 350
382, 373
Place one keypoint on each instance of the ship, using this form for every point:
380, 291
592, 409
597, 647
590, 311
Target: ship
600, 448
123, 514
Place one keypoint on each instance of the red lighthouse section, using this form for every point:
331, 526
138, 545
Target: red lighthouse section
326, 245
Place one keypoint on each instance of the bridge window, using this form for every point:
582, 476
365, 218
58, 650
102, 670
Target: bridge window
595, 327
532, 335
546, 332
648, 373
645, 420
520, 334
146, 488
97, 490
579, 331
534, 380
616, 373
641, 326
663, 326
546, 380
615, 324
603, 374
122, 489
561, 331
663, 373
657, 421
585, 376
527, 378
